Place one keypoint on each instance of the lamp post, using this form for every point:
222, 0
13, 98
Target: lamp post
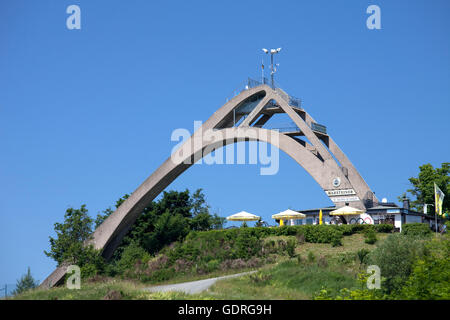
272, 70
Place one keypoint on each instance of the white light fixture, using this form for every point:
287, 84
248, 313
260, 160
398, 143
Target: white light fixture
272, 70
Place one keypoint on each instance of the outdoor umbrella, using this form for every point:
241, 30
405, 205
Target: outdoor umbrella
346, 210
243, 216
288, 215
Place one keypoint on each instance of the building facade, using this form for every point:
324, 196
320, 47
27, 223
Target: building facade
388, 213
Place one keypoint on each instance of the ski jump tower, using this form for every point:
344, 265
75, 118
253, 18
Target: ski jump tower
308, 144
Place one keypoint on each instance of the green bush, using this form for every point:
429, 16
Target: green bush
90, 261
322, 233
362, 255
311, 257
131, 255
416, 229
290, 247
419, 271
247, 245
384, 228
430, 277
370, 236
336, 239
346, 258
213, 265
395, 257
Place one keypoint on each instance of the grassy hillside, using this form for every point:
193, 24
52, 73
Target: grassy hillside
315, 265
306, 262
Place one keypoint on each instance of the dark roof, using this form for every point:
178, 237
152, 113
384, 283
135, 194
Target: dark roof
383, 208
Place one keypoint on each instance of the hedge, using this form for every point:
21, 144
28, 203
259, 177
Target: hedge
416, 229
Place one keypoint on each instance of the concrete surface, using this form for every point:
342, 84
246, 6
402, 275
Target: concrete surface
194, 287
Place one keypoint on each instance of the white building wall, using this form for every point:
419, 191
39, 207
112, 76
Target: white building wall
398, 221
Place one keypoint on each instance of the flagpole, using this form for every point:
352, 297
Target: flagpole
435, 222
435, 207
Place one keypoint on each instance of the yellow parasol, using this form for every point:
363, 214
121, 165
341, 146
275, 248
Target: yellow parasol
288, 215
243, 216
346, 210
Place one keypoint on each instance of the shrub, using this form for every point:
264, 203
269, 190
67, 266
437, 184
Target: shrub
130, 256
370, 236
213, 265
395, 257
362, 255
346, 258
321, 233
430, 277
416, 229
384, 228
311, 257
281, 245
336, 240
247, 244
290, 247
260, 278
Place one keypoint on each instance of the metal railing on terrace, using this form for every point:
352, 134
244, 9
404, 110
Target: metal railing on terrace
292, 101
252, 83
319, 127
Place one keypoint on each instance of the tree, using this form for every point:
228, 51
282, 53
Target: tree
199, 204
71, 234
70, 243
166, 220
423, 186
217, 222
25, 283
168, 228
259, 223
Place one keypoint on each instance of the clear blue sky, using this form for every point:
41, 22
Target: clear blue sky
86, 115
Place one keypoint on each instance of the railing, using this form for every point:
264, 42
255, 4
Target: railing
318, 127
280, 129
287, 129
254, 83
292, 101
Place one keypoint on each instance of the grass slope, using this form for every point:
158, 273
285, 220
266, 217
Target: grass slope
317, 265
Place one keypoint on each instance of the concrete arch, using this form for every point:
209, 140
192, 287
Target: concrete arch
314, 157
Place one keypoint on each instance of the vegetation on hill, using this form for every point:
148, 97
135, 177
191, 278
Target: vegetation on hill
177, 238
25, 283
423, 186
163, 222
412, 267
